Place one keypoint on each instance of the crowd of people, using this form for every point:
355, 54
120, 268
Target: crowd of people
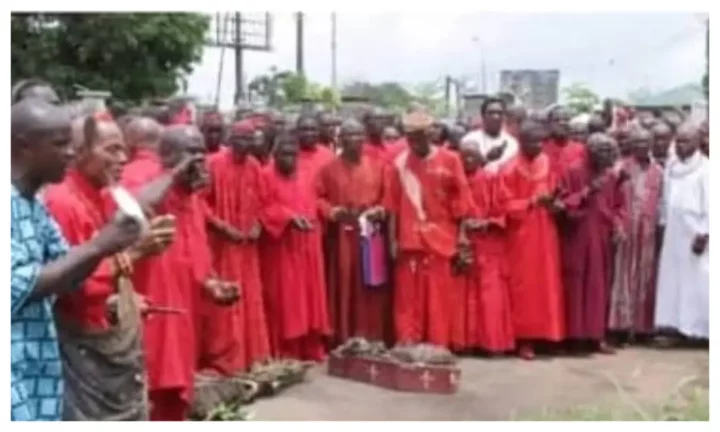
269, 237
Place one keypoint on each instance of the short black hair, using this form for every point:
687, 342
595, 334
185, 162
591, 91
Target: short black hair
19, 89
491, 100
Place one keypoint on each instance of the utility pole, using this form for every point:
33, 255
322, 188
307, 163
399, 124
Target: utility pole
299, 64
239, 93
333, 50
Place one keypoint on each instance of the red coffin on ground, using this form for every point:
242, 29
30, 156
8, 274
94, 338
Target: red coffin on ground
417, 378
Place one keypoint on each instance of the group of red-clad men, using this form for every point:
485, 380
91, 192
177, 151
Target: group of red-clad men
255, 245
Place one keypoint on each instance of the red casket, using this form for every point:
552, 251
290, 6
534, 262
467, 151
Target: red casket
390, 374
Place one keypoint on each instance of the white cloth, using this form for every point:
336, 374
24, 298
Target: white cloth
486, 143
683, 278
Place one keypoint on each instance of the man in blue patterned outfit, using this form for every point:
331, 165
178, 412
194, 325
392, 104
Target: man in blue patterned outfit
42, 266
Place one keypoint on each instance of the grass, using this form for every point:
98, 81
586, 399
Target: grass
688, 402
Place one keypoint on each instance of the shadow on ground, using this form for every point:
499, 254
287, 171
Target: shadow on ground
498, 389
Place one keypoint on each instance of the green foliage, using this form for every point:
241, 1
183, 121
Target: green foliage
580, 98
133, 55
283, 88
396, 97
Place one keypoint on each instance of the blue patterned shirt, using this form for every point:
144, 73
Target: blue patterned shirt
35, 363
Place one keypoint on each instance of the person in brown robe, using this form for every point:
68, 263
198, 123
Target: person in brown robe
632, 301
350, 185
593, 207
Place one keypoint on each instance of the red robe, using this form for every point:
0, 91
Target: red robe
355, 310
313, 160
378, 153
586, 234
292, 267
563, 156
428, 197
173, 279
237, 335
536, 291
483, 317
81, 210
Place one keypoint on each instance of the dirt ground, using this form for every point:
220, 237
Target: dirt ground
498, 389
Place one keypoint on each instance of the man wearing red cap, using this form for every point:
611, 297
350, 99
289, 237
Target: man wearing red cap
236, 337
429, 196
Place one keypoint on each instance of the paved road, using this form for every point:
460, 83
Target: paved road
497, 389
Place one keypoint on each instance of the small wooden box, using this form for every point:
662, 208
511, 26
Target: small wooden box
396, 376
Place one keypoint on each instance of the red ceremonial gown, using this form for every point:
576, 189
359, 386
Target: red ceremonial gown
563, 156
483, 315
292, 267
173, 279
311, 161
236, 336
533, 251
586, 236
428, 198
81, 209
355, 310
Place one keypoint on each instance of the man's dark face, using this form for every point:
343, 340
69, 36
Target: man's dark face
662, 137
103, 157
437, 133
241, 144
419, 142
286, 157
641, 147
307, 133
213, 136
579, 133
351, 140
602, 155
560, 124
531, 141
193, 145
374, 125
49, 153
686, 144
493, 118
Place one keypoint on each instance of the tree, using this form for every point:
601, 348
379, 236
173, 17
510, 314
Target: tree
133, 55
580, 98
390, 95
281, 88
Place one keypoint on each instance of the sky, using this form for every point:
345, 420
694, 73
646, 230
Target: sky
612, 53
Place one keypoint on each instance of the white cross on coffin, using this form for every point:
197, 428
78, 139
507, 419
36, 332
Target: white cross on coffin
426, 379
372, 370
453, 379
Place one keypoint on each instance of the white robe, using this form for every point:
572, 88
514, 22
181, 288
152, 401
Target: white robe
486, 143
683, 278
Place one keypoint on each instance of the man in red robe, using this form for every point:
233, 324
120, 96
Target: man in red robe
376, 147
292, 261
562, 151
593, 206
483, 318
533, 249
312, 157
632, 301
429, 196
182, 277
349, 186
327, 130
236, 337
102, 354
213, 129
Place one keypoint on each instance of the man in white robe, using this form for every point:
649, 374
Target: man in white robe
495, 144
683, 277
